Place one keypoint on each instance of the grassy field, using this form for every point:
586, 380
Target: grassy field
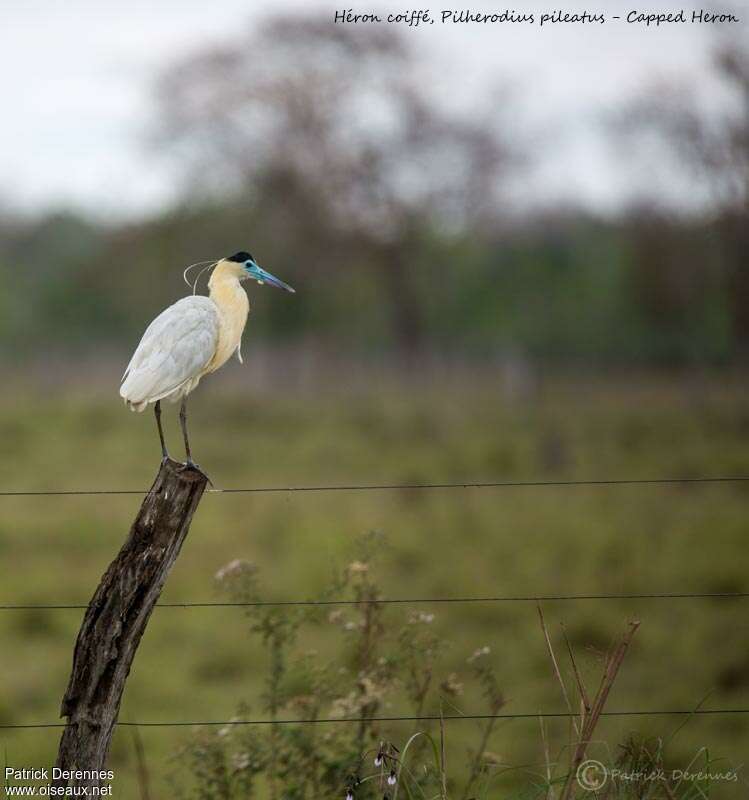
200, 663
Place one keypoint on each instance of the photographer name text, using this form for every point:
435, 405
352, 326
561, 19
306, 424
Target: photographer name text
29, 775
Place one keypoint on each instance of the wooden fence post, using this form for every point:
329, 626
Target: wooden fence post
117, 617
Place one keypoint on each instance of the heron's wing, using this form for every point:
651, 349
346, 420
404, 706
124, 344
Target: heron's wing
175, 348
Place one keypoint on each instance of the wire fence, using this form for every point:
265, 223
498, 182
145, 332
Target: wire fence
404, 601
535, 598
680, 712
382, 487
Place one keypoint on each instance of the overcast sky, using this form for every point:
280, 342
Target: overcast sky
76, 83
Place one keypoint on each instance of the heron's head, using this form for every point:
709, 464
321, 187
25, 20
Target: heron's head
249, 269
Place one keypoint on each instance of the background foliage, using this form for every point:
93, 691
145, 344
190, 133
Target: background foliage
395, 218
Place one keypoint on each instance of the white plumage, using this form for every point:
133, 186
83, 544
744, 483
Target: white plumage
191, 338
173, 354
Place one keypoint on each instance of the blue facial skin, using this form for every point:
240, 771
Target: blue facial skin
261, 276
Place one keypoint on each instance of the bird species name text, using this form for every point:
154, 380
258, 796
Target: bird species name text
413, 18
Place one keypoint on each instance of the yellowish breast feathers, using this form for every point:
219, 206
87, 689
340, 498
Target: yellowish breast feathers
233, 305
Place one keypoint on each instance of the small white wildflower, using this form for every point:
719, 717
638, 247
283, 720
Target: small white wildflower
482, 651
451, 685
234, 569
241, 761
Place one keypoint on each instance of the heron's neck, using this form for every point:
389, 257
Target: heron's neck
233, 305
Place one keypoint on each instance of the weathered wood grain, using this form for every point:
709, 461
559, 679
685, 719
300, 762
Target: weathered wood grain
117, 617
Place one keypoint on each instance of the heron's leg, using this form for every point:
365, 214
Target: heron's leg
189, 464
157, 414
183, 424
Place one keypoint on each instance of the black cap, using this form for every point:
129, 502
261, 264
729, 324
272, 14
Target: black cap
241, 257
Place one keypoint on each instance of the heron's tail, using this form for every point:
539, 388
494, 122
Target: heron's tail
127, 393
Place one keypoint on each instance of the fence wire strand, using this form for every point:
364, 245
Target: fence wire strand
423, 718
381, 487
530, 598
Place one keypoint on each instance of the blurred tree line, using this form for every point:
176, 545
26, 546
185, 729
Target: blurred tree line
323, 149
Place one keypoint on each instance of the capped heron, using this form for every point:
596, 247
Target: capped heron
190, 339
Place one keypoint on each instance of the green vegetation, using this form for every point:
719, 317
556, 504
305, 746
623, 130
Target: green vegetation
557, 290
200, 664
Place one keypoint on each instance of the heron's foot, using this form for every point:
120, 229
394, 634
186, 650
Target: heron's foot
190, 464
